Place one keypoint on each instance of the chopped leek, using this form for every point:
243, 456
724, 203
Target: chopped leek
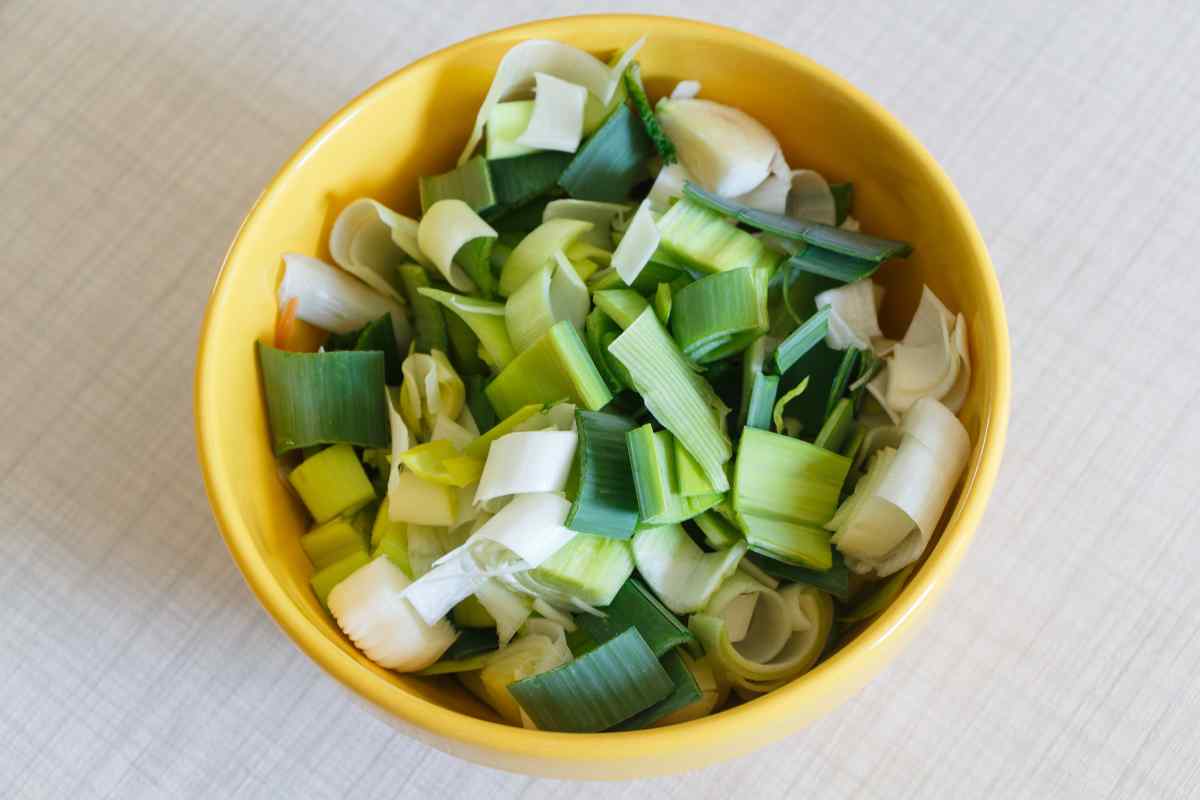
878, 598
662, 303
551, 295
601, 215
380, 337
332, 482
811, 197
439, 461
431, 388
465, 346
505, 609
521, 180
481, 446
638, 245
390, 539
635, 606
588, 568
596, 327
324, 398
507, 122
530, 654
678, 398
622, 306
361, 243
837, 428
835, 580
557, 119
718, 532
791, 542
611, 162
705, 241
689, 479
531, 461
841, 380
641, 103
447, 226
332, 300
485, 319
685, 693
537, 251
324, 580
660, 501
801, 340
786, 479
598, 690
854, 320
332, 542
606, 501
427, 316
781, 404
556, 367
470, 182
710, 316
682, 575
762, 401
727, 150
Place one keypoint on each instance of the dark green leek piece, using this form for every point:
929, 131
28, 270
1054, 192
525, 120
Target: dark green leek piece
835, 580
841, 379
843, 200
611, 162
637, 93
523, 179
717, 313
606, 502
428, 320
635, 606
686, 692
837, 427
801, 340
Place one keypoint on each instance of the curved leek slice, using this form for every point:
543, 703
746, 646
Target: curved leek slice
756, 619
555, 367
445, 228
781, 404
621, 305
810, 198
334, 301
439, 461
371, 610
601, 215
710, 698
519, 463
485, 319
925, 363
530, 654
589, 568
809, 617
957, 396
557, 119
509, 609
552, 294
709, 314
361, 243
431, 387
537, 250
668, 186
727, 150
682, 575
782, 478
637, 246
888, 521
854, 319
458, 433
507, 122
518, 67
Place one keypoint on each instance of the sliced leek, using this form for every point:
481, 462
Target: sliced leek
361, 243
652, 456
606, 501
537, 251
712, 314
635, 606
334, 301
611, 162
557, 119
637, 246
682, 575
556, 367
533, 461
704, 240
332, 483
787, 479
485, 319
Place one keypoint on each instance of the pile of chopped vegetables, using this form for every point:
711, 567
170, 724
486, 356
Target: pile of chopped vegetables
611, 431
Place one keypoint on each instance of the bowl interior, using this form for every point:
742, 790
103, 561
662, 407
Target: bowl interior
414, 123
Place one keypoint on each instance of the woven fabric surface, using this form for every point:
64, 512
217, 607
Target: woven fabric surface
135, 663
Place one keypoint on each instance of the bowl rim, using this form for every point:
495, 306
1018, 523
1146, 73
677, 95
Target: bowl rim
609, 748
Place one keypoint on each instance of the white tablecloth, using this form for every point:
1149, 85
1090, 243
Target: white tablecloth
135, 663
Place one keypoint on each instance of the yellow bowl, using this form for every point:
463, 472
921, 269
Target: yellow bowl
413, 123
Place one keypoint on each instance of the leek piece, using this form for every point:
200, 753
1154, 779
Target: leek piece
379, 336
477, 642
709, 314
554, 293
332, 300
682, 575
595, 327
651, 275
791, 542
641, 103
530, 654
448, 666
686, 692
637, 246
390, 539
801, 340
537, 250
557, 119
843, 200
635, 606
781, 404
556, 367
427, 315
431, 389
854, 445
601, 215
324, 580
835, 580
332, 542
611, 162
605, 503
652, 456
332, 482
667, 186
762, 401
588, 568
470, 182
506, 609
485, 319
786, 479
524, 533
371, 610
662, 303
464, 345
825, 237
447, 226
439, 462
475, 257
878, 598
837, 428
718, 532
507, 122
622, 306
841, 381
828, 264
421, 502
521, 180
600, 689
470, 613
819, 366
481, 410
324, 398
728, 151
810, 197
689, 478
705, 241
481, 446
361, 243
528, 461
514, 224
682, 401
753, 359
854, 322
712, 694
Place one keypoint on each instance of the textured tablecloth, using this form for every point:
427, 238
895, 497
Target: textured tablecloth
135, 663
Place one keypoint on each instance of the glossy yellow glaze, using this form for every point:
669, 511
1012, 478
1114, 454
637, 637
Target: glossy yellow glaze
413, 123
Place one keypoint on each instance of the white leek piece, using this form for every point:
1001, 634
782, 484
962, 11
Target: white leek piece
810, 198
637, 246
531, 653
551, 613
668, 186
601, 215
957, 395
445, 228
520, 463
772, 194
443, 587
756, 619
616, 72
682, 575
361, 243
685, 90
558, 417
552, 294
371, 610
448, 430
855, 312
522, 535
924, 363
509, 609
888, 521
728, 151
431, 388
570, 292
334, 301
557, 121
522, 62
401, 441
